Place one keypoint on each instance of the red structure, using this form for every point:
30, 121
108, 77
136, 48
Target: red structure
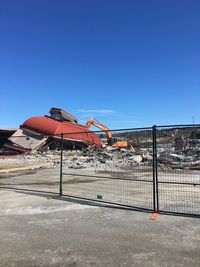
61, 122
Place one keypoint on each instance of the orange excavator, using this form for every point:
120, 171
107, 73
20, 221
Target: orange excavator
112, 141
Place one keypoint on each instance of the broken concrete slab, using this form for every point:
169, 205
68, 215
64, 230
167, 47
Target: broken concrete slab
28, 139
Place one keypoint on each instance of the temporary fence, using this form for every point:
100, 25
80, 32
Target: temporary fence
178, 169
115, 177
159, 171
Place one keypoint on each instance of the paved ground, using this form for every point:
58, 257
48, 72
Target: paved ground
132, 187
37, 230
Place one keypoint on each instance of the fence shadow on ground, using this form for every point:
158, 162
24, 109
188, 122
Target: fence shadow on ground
77, 200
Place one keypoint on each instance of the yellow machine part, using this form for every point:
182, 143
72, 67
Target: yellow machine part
120, 144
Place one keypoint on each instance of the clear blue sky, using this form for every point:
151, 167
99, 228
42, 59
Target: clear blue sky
128, 63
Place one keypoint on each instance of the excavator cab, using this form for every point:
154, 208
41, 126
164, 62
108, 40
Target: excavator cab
112, 141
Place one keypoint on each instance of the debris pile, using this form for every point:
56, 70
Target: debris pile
182, 151
34, 157
40, 139
185, 158
109, 158
90, 158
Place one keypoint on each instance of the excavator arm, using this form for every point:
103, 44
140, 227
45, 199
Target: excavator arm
111, 140
93, 121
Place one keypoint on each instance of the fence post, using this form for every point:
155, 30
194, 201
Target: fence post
153, 166
61, 165
155, 172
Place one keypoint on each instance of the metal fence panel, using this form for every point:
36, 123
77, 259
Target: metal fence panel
159, 171
22, 167
118, 176
178, 157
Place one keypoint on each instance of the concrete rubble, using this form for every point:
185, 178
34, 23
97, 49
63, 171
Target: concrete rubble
78, 159
185, 158
183, 151
109, 158
101, 159
176, 148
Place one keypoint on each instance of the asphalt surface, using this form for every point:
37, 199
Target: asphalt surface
38, 230
132, 187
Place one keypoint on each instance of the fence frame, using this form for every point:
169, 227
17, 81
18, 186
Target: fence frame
155, 172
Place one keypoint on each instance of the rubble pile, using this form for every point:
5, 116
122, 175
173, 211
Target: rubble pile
88, 158
173, 152
109, 158
34, 157
184, 158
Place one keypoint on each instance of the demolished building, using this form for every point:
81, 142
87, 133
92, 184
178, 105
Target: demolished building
43, 131
5, 133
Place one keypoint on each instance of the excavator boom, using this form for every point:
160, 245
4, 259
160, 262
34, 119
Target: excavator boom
96, 123
111, 141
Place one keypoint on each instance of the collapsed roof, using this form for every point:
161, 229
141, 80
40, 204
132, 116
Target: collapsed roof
38, 132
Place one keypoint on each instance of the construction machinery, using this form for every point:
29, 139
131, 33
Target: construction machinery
112, 141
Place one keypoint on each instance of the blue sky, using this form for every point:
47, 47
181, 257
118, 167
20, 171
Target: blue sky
128, 63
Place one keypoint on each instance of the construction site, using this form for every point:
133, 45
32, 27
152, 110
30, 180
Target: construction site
144, 168
99, 133
60, 178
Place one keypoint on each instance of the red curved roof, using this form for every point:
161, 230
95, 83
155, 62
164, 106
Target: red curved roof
49, 126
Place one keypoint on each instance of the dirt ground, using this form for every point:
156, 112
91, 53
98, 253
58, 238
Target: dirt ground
39, 229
